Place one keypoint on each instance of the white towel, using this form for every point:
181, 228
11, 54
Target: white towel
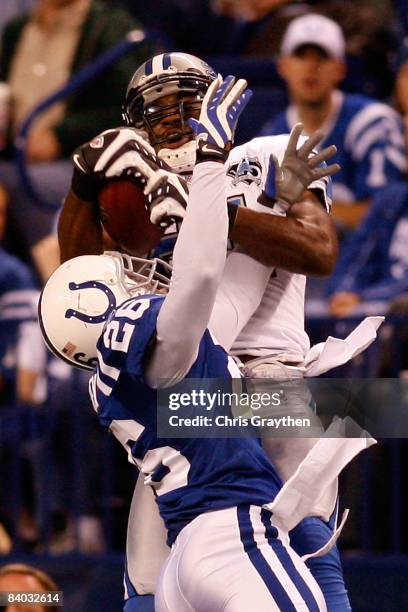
336, 352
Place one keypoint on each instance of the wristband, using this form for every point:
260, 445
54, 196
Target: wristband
266, 200
210, 152
85, 187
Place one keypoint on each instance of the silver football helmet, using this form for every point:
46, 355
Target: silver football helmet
81, 294
161, 76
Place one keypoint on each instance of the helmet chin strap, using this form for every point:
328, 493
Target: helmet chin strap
181, 160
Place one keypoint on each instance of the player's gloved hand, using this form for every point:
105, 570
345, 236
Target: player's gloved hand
222, 105
167, 193
286, 182
114, 152
124, 152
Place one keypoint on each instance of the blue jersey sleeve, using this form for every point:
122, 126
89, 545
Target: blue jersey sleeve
370, 263
374, 139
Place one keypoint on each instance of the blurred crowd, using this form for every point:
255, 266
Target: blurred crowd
343, 68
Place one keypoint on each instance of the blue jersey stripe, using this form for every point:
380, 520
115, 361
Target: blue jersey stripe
259, 562
285, 559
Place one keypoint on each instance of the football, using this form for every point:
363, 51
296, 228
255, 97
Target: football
124, 214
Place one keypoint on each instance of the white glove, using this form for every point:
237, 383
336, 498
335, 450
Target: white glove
168, 194
223, 103
105, 156
129, 155
287, 181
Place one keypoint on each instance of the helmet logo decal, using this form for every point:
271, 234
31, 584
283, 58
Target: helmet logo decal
69, 349
81, 315
248, 170
88, 363
97, 143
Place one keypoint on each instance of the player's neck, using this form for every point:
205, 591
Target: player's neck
315, 116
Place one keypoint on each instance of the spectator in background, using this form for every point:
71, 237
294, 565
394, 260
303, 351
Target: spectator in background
367, 133
21, 577
190, 25
367, 26
40, 51
400, 8
22, 369
372, 271
22, 354
401, 80
255, 28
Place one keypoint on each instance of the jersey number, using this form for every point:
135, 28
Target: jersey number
117, 334
164, 468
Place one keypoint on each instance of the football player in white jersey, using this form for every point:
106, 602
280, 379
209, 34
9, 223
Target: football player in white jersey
288, 230
229, 552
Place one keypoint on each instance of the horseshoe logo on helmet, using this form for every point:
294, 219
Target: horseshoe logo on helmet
95, 318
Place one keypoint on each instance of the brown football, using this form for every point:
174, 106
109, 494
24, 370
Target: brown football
124, 214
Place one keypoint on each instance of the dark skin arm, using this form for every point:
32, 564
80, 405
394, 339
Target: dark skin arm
303, 242
79, 229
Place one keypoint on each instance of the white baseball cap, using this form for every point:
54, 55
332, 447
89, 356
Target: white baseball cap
313, 29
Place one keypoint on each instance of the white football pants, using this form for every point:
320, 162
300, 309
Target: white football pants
235, 560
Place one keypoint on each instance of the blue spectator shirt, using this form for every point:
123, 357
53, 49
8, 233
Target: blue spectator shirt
374, 260
18, 304
369, 140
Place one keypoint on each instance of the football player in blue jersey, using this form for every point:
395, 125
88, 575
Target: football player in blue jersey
368, 134
106, 312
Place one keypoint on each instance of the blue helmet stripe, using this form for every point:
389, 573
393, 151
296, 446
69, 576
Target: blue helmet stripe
166, 61
149, 67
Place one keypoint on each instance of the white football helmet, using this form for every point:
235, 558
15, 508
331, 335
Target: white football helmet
164, 75
81, 294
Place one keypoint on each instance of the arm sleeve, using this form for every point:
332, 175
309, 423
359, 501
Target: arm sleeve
240, 292
198, 263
